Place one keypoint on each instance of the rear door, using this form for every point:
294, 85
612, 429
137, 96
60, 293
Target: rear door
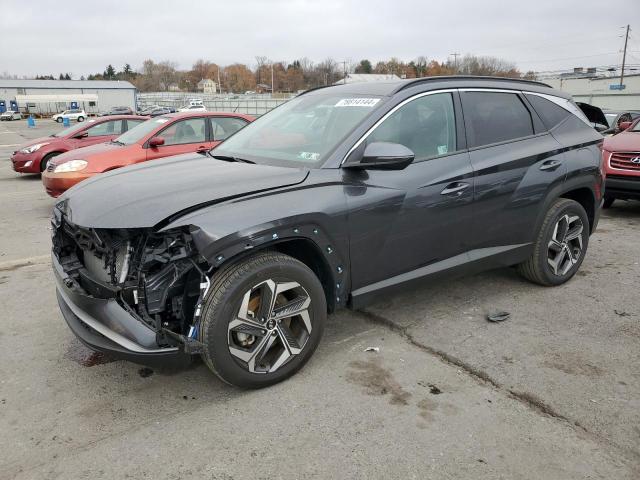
223, 127
182, 136
515, 161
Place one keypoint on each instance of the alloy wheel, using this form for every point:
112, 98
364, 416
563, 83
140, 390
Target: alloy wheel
273, 325
565, 246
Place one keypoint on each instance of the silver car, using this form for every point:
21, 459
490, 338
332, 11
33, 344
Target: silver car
10, 115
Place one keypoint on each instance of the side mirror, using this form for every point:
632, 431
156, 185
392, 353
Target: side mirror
624, 125
156, 142
383, 156
81, 135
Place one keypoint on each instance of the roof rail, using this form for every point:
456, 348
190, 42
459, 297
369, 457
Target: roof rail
446, 78
314, 89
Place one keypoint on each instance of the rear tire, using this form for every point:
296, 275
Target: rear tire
608, 201
561, 245
59, 119
80, 119
262, 320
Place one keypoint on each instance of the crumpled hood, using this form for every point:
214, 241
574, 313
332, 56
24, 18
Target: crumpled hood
623, 142
143, 195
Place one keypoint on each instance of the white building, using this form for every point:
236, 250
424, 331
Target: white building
367, 77
206, 85
52, 96
601, 91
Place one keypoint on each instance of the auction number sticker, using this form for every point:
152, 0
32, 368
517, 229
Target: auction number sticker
357, 102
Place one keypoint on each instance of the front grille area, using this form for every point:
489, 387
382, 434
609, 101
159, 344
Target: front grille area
625, 161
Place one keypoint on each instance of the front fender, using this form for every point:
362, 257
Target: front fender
316, 214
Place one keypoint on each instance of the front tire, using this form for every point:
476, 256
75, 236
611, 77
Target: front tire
561, 245
262, 320
80, 119
59, 119
45, 161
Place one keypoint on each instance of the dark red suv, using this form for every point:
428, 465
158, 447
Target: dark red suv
33, 157
622, 164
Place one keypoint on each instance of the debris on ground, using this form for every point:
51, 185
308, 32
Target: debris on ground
498, 316
432, 388
372, 349
622, 313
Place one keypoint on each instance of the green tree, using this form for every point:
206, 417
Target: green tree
364, 66
110, 72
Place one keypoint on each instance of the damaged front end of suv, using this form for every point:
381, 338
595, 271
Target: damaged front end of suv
145, 286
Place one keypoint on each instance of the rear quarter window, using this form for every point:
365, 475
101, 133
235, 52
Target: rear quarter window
550, 113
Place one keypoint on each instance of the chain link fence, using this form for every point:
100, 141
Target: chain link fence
254, 104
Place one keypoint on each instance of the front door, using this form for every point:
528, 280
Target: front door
183, 136
402, 221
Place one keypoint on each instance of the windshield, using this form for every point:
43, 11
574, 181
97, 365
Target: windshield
636, 127
140, 131
70, 130
301, 132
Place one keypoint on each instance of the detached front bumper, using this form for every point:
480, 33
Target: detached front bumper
104, 325
58, 183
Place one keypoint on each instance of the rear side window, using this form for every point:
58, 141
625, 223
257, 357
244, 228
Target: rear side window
550, 113
106, 128
224, 127
493, 117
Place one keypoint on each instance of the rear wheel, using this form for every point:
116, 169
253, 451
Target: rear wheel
59, 119
608, 201
561, 245
80, 119
262, 320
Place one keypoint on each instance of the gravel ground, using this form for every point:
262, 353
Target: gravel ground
551, 393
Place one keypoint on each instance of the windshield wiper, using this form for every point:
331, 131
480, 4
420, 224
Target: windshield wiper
230, 159
117, 142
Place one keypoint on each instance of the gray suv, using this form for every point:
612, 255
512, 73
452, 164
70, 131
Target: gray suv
337, 197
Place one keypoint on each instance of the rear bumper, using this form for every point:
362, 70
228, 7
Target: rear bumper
58, 183
105, 326
623, 187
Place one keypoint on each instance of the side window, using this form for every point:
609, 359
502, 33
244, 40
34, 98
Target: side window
550, 113
106, 128
191, 130
224, 127
133, 123
426, 125
493, 117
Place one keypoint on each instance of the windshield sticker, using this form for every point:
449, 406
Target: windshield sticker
313, 156
357, 102
442, 149
162, 120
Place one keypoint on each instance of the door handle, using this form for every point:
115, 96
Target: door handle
455, 187
550, 165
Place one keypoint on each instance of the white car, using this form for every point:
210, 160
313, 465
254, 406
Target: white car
193, 108
10, 115
73, 114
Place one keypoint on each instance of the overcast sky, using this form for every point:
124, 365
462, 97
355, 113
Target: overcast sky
81, 37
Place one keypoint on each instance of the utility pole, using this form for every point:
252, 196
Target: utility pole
455, 56
344, 70
624, 56
219, 84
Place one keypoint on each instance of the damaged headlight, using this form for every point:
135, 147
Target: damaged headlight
33, 148
70, 166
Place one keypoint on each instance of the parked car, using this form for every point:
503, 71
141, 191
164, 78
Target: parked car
118, 111
193, 108
156, 111
10, 115
163, 136
614, 118
73, 114
622, 164
239, 257
33, 156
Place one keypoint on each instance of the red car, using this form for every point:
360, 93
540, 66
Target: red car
159, 137
33, 157
622, 164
